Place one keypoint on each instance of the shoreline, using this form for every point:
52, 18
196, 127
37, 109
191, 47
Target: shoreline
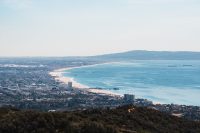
58, 76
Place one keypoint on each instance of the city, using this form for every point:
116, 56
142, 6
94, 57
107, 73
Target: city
28, 85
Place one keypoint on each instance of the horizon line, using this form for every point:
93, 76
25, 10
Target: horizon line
78, 56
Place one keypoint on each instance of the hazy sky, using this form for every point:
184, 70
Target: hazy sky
90, 27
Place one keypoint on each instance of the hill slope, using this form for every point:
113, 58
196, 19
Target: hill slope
127, 119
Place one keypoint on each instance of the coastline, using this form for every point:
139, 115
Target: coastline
58, 75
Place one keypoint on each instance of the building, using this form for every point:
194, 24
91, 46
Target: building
129, 98
69, 86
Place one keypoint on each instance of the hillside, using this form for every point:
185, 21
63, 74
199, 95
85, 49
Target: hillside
150, 55
126, 119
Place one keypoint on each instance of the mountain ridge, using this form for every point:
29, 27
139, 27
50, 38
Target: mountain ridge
150, 55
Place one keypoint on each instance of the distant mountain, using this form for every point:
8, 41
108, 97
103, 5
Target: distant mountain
150, 55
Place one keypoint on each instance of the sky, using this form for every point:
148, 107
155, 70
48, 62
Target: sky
93, 27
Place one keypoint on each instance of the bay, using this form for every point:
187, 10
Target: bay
163, 81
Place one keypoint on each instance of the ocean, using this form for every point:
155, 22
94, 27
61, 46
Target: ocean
161, 81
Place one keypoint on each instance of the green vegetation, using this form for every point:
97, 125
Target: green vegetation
126, 119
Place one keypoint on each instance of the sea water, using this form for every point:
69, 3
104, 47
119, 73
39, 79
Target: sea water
163, 81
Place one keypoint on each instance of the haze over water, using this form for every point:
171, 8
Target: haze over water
164, 81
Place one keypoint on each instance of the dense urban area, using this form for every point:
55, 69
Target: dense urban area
25, 83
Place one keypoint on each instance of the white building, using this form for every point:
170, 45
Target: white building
129, 98
69, 86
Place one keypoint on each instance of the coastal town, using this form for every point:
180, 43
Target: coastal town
38, 84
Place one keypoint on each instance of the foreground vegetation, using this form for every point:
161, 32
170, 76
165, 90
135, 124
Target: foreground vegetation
126, 119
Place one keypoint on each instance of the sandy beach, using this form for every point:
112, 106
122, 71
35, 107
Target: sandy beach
58, 75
